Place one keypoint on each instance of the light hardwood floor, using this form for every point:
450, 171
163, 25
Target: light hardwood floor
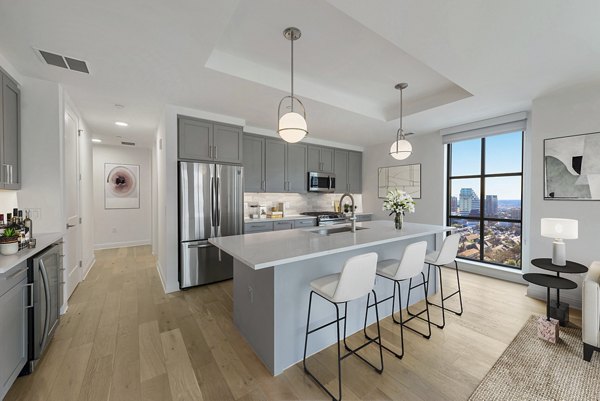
124, 339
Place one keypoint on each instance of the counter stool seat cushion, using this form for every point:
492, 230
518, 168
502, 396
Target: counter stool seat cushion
325, 286
388, 268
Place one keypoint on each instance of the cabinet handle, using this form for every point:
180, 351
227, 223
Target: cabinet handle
210, 152
30, 285
216, 151
5, 173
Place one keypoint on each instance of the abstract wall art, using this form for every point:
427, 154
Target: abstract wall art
407, 178
572, 167
121, 186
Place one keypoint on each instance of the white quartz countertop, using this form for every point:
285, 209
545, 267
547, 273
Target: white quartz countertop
268, 249
7, 263
288, 218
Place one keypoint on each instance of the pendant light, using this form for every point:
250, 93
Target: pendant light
401, 148
292, 125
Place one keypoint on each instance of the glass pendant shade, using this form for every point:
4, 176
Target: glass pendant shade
400, 149
292, 127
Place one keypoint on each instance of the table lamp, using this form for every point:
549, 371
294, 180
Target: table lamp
559, 229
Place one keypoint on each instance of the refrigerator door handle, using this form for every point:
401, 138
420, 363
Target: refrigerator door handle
218, 214
199, 246
212, 201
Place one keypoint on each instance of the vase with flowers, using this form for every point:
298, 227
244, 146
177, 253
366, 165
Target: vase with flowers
398, 202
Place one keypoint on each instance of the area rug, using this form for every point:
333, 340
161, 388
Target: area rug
534, 369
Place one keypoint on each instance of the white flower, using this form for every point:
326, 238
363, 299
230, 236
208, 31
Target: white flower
398, 201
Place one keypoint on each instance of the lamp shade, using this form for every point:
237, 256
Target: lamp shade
560, 228
292, 127
400, 149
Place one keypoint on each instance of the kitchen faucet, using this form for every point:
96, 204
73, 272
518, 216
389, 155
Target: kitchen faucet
352, 217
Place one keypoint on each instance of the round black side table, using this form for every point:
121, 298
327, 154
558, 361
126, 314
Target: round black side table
548, 281
558, 310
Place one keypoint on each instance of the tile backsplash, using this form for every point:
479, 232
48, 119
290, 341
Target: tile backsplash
309, 202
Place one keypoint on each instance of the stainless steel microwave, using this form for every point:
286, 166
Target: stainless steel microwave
321, 182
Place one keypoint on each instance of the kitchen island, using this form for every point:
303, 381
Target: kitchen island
271, 282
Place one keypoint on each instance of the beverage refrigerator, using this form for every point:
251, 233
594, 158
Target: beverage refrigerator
210, 205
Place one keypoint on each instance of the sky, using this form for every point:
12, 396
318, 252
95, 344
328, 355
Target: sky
502, 154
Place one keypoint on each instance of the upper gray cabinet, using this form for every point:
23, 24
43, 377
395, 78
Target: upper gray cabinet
295, 168
341, 170
348, 171
275, 166
208, 141
254, 163
272, 165
10, 134
354, 172
320, 159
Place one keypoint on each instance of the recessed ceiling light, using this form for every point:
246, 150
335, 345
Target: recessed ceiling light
121, 124
96, 140
119, 106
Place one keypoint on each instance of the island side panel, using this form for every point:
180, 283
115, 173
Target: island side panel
253, 310
292, 290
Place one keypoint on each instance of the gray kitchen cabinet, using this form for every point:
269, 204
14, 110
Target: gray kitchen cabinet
354, 172
295, 168
258, 227
348, 171
10, 134
227, 143
13, 330
341, 171
275, 165
195, 139
208, 141
320, 159
305, 223
283, 225
254, 167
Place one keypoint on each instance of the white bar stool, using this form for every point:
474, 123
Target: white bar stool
444, 256
407, 268
356, 280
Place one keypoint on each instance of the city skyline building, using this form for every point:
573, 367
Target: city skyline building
468, 201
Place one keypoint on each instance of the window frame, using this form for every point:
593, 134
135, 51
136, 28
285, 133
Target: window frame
482, 219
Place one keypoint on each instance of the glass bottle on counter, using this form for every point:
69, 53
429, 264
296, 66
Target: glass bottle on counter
28, 224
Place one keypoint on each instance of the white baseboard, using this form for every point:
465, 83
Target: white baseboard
166, 289
124, 244
540, 293
88, 266
499, 272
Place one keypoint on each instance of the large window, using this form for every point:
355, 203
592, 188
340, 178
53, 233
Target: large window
485, 181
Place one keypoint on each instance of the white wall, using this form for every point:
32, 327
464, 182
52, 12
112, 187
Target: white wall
568, 112
86, 198
115, 228
42, 186
427, 150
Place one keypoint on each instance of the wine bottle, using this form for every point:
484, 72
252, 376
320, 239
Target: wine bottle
28, 224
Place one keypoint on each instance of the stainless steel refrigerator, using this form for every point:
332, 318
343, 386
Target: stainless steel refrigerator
210, 205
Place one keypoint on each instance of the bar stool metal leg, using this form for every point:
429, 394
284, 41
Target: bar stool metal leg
444, 298
341, 357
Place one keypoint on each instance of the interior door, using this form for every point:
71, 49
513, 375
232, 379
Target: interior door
72, 238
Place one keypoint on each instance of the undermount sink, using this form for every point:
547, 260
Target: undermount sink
335, 230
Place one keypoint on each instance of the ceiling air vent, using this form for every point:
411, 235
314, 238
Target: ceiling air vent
128, 143
64, 62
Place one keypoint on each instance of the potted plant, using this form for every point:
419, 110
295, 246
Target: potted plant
398, 202
9, 242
